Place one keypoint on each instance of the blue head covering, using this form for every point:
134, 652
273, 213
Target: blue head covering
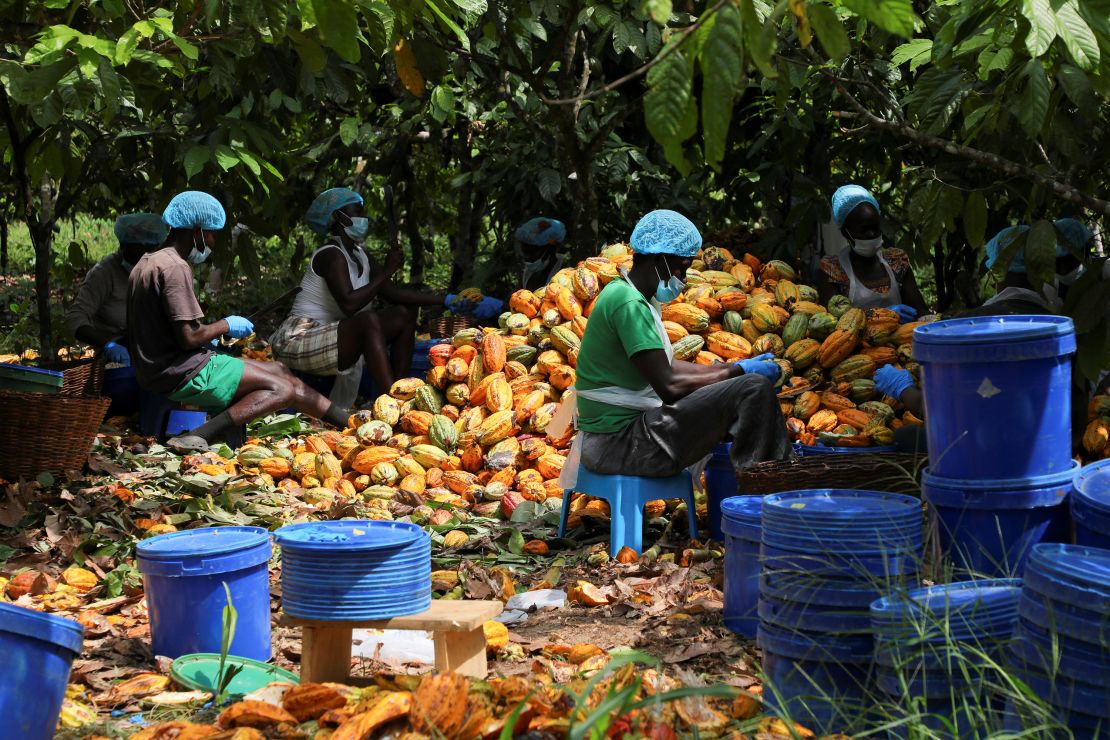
328, 202
1075, 233
998, 244
140, 228
193, 208
845, 200
540, 232
666, 232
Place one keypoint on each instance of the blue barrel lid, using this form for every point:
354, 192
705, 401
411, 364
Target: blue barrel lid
1011, 493
744, 509
967, 598
202, 542
994, 339
839, 504
1079, 564
348, 535
33, 370
1092, 484
19, 620
822, 449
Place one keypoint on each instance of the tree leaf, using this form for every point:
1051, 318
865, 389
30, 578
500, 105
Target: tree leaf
1077, 86
549, 183
443, 102
226, 156
338, 24
1077, 35
975, 219
667, 96
1033, 106
407, 71
893, 16
1040, 253
830, 31
760, 40
916, 52
187, 50
659, 10
722, 69
801, 20
348, 130
464, 40
1042, 25
516, 542
195, 159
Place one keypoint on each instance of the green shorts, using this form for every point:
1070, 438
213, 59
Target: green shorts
213, 387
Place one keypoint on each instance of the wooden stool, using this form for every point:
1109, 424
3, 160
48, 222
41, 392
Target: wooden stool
456, 627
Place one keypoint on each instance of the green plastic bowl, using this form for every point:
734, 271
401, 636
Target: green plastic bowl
199, 672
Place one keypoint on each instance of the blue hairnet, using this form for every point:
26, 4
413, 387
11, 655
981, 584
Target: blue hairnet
845, 200
140, 228
666, 232
328, 202
193, 208
998, 244
539, 232
1076, 233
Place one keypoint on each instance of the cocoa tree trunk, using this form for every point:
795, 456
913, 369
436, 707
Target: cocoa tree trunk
4, 245
42, 237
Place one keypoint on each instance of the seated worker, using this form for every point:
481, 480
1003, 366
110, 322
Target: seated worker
537, 245
871, 277
640, 411
98, 315
1015, 293
171, 348
332, 327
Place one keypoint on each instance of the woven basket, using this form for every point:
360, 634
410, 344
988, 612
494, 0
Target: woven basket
80, 377
44, 433
896, 472
448, 326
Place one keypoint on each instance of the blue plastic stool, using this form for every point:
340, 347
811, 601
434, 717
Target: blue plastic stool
627, 495
162, 418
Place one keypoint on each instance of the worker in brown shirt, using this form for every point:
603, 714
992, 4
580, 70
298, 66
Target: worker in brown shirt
171, 347
98, 315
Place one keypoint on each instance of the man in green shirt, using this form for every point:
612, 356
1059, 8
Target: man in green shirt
642, 412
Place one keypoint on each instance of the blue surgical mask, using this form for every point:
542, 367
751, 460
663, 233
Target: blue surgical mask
198, 256
358, 229
667, 290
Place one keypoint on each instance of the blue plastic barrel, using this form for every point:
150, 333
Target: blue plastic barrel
184, 575
122, 387
37, 651
992, 381
740, 522
720, 484
354, 569
818, 680
988, 527
1090, 505
820, 449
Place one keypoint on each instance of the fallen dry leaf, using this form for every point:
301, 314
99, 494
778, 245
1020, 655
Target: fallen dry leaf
309, 700
144, 684
253, 714
393, 705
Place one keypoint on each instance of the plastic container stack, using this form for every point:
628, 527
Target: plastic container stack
827, 554
1061, 645
740, 519
937, 649
38, 652
184, 576
998, 421
1090, 505
720, 484
354, 569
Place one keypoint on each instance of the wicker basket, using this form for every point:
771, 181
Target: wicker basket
80, 377
44, 433
896, 472
448, 326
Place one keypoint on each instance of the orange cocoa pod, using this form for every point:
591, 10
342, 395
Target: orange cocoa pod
493, 353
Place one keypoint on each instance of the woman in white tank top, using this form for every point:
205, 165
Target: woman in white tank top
331, 329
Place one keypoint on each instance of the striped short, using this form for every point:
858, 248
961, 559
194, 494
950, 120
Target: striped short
307, 345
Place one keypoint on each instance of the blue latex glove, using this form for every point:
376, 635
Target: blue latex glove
763, 364
457, 305
117, 354
238, 327
891, 381
905, 313
489, 308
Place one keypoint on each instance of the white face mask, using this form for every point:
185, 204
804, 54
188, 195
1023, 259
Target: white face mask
358, 229
867, 247
667, 290
198, 256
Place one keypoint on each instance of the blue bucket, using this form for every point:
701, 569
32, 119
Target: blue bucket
1090, 505
38, 650
1083, 725
793, 615
184, 575
820, 449
354, 569
740, 521
995, 378
989, 527
818, 680
720, 484
806, 588
122, 387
